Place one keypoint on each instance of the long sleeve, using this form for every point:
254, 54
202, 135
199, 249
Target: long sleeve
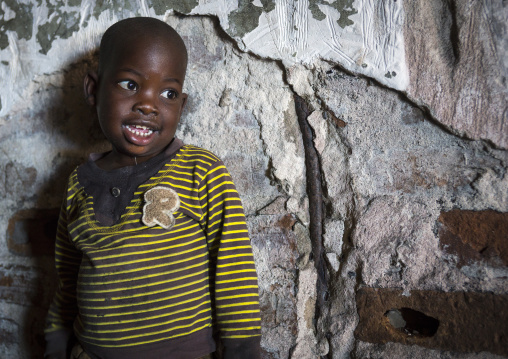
63, 309
233, 272
170, 289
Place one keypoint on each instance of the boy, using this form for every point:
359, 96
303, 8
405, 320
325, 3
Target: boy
152, 250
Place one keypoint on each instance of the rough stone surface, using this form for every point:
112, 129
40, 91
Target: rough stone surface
467, 322
389, 174
276, 254
456, 53
306, 346
393, 160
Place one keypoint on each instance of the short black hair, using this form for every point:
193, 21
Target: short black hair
128, 29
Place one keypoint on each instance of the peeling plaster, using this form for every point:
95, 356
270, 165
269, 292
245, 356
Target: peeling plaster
17, 17
246, 18
112, 6
62, 25
344, 7
364, 36
184, 7
8, 14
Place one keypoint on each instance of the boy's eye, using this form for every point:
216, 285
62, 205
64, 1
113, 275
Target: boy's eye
169, 94
128, 85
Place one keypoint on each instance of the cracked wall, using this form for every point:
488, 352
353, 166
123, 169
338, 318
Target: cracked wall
362, 135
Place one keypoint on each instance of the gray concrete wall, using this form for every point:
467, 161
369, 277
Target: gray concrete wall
368, 139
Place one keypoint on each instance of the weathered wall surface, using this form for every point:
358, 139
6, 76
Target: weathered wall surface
405, 165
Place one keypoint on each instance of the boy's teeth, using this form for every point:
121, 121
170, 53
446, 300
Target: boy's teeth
144, 133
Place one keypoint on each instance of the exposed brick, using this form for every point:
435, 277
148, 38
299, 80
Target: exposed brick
32, 288
286, 222
468, 322
9, 331
272, 233
276, 242
200, 54
475, 236
32, 232
247, 171
337, 121
25, 285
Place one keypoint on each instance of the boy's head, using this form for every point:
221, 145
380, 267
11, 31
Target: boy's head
137, 91
127, 32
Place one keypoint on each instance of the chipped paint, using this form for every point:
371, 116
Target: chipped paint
8, 13
184, 7
62, 25
246, 18
16, 17
114, 6
363, 36
344, 7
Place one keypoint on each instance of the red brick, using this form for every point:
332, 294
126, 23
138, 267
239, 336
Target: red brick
475, 236
468, 322
25, 285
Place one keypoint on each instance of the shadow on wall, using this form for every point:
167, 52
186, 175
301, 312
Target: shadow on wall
63, 125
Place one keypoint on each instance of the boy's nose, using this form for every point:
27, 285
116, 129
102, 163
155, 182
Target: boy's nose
146, 104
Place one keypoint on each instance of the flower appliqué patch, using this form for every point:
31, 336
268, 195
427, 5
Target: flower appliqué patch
160, 204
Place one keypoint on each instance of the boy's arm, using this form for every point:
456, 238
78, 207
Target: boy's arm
233, 273
63, 310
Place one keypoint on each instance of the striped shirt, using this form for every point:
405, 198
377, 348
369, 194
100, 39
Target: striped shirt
127, 289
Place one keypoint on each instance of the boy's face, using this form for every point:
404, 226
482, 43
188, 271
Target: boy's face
138, 97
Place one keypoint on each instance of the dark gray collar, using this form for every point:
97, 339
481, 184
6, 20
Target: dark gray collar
113, 190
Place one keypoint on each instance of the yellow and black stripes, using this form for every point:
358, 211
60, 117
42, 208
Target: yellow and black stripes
127, 285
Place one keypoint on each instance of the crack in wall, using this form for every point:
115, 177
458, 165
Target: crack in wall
316, 210
336, 279
425, 108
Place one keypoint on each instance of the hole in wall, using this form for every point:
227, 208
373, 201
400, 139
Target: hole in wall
412, 322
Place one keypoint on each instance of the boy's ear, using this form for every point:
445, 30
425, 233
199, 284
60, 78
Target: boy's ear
90, 84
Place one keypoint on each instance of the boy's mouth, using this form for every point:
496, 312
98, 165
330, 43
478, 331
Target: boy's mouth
138, 134
139, 130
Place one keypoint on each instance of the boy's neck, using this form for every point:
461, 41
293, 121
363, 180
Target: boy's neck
113, 161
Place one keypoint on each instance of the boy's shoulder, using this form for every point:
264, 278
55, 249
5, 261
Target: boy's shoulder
199, 154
